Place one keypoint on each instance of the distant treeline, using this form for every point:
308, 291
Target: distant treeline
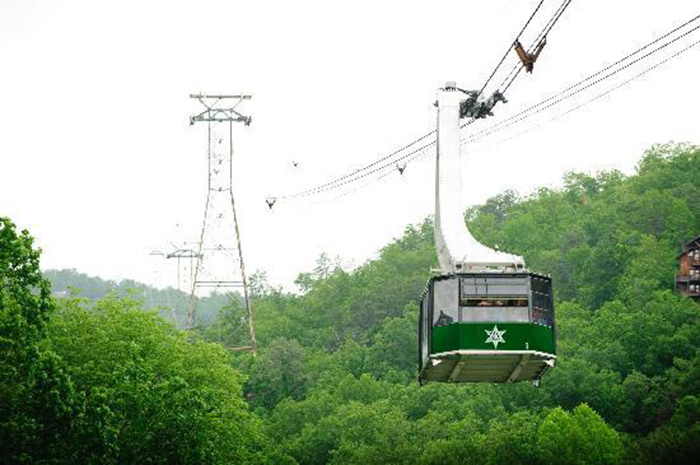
170, 303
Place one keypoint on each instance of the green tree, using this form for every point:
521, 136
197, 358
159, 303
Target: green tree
513, 439
579, 437
278, 372
150, 395
37, 402
676, 442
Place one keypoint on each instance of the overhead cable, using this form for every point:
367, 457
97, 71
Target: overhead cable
391, 159
354, 173
594, 98
508, 81
566, 94
361, 173
591, 81
510, 47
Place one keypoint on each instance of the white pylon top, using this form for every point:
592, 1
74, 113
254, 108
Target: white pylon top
457, 250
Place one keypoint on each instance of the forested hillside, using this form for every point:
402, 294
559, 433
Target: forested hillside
170, 303
335, 377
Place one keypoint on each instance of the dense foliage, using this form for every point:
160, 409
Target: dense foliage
334, 380
37, 401
105, 382
627, 385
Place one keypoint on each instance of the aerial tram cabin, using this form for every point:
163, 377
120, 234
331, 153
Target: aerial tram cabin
494, 327
484, 317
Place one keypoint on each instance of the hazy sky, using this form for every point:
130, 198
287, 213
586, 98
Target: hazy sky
98, 160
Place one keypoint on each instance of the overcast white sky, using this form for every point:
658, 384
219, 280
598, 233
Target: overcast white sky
98, 160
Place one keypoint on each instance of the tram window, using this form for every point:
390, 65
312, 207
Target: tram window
495, 313
542, 316
425, 322
494, 287
541, 286
445, 302
541, 301
495, 302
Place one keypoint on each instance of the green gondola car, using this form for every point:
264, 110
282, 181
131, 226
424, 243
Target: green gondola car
486, 327
485, 318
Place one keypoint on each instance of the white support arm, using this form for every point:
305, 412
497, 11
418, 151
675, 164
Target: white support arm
457, 249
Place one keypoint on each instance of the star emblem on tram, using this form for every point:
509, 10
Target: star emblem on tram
495, 336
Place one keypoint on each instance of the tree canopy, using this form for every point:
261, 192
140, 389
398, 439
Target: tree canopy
107, 382
101, 379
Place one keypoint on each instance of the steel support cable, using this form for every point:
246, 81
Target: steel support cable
595, 98
518, 69
322, 187
414, 156
467, 123
362, 173
421, 153
633, 53
367, 173
408, 158
566, 94
543, 33
367, 183
495, 70
529, 112
389, 165
553, 21
352, 174
518, 65
582, 104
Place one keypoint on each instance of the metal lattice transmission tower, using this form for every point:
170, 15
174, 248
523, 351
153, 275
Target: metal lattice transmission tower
220, 266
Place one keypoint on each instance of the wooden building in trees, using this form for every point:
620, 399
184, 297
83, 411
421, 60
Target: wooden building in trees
688, 280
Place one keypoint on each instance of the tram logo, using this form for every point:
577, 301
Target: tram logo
495, 336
